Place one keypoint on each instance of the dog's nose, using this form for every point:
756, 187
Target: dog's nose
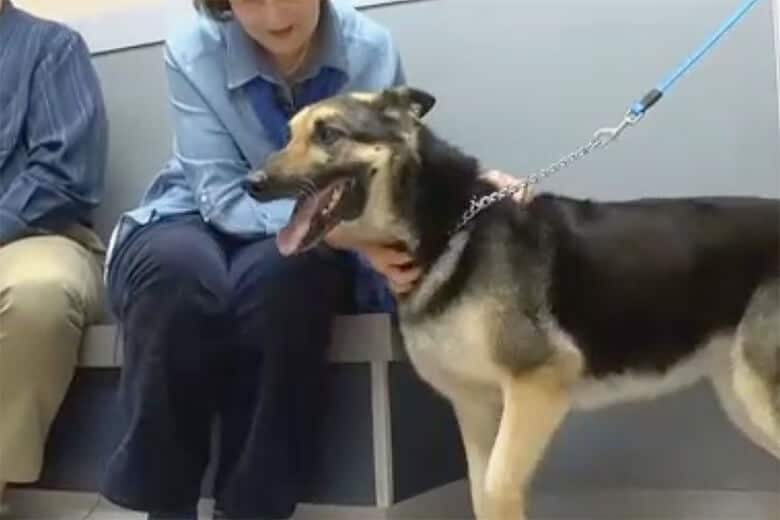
256, 183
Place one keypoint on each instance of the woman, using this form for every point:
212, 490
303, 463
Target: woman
214, 320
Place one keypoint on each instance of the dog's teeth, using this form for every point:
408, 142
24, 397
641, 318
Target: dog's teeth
334, 199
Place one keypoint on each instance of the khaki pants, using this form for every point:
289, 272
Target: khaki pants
50, 290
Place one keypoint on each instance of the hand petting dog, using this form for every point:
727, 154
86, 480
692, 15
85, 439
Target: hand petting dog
394, 263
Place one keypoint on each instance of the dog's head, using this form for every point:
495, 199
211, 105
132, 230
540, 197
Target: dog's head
347, 163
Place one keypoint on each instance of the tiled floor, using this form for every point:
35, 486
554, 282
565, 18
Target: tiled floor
37, 505
451, 502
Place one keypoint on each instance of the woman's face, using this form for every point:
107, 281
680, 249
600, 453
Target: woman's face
282, 27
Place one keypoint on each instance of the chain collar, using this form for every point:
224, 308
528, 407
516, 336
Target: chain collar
476, 205
600, 139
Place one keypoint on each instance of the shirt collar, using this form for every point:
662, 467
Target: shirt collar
246, 61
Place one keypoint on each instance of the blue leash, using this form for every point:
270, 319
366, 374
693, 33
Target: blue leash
603, 136
654, 95
638, 109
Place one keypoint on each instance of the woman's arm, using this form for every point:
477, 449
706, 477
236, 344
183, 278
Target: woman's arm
211, 160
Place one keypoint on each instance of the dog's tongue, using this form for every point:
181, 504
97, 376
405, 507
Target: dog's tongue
290, 238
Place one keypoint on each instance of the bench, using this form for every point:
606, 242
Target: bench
370, 450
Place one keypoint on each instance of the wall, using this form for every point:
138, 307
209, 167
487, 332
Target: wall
121, 24
776, 20
521, 83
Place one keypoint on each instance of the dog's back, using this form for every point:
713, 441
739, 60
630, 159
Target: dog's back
641, 284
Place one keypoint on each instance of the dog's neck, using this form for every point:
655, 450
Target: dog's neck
442, 188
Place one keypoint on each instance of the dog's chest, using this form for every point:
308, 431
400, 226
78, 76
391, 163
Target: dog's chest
452, 346
453, 349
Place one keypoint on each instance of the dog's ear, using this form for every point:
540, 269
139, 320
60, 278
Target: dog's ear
416, 101
420, 101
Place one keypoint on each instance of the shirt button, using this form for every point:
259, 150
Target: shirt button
204, 198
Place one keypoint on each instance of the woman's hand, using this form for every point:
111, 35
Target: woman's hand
396, 264
389, 260
500, 179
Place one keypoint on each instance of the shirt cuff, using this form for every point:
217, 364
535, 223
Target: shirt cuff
11, 227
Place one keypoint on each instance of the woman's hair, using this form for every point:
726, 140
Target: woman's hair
217, 9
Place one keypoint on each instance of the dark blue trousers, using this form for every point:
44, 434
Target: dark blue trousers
217, 327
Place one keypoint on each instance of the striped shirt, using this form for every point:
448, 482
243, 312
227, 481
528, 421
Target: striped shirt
53, 127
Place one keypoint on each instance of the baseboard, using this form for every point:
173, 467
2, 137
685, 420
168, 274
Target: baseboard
451, 502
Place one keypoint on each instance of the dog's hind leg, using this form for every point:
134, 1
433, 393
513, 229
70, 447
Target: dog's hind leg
534, 406
746, 401
747, 374
759, 396
478, 423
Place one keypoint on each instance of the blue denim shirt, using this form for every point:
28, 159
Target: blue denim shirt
53, 127
230, 110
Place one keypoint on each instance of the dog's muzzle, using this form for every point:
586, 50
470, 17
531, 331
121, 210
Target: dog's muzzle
257, 184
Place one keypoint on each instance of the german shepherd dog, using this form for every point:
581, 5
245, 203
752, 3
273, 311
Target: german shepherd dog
532, 310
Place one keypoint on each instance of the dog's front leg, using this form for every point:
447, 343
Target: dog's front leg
478, 423
534, 406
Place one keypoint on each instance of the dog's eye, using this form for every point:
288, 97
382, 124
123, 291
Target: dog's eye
327, 134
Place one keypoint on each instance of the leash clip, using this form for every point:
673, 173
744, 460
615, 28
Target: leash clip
606, 135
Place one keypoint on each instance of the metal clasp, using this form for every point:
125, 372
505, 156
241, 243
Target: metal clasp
607, 135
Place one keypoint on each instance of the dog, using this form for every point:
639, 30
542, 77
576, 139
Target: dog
532, 310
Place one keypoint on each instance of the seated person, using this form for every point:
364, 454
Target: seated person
53, 147
215, 321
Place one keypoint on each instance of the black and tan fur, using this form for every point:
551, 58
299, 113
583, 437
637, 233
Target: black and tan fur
534, 310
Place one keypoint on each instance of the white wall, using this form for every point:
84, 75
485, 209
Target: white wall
521, 83
776, 18
115, 24
111, 25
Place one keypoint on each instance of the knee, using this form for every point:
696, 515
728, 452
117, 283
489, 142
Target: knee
173, 275
290, 305
42, 321
286, 302
42, 303
289, 286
